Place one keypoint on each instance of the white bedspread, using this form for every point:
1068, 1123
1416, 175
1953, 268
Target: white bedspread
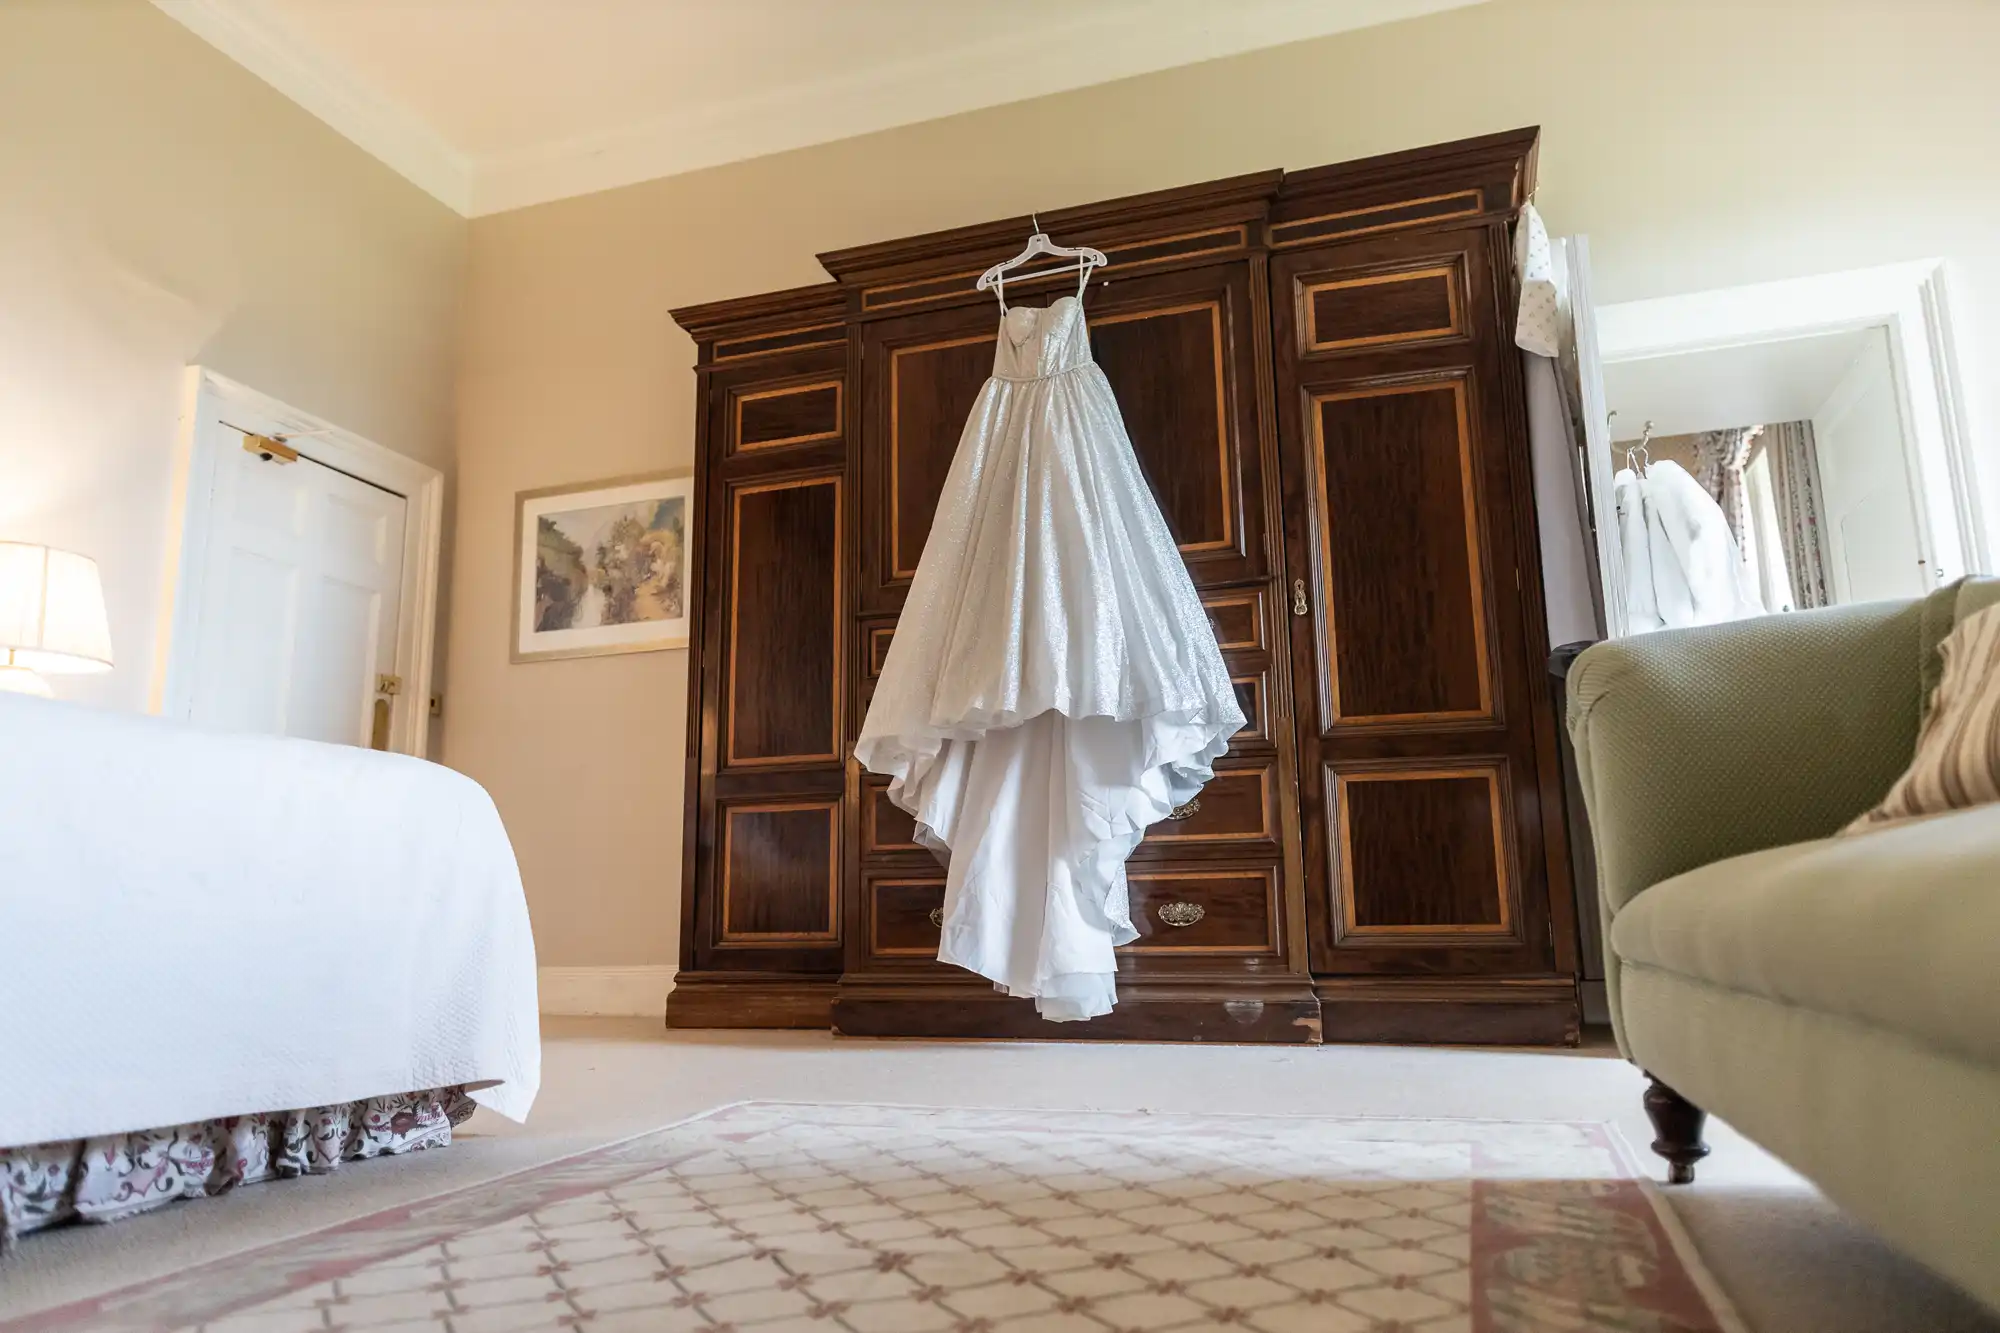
195, 924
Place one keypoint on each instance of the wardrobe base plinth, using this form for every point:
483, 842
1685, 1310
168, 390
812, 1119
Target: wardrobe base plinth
1277, 1014
722, 1001
1525, 1011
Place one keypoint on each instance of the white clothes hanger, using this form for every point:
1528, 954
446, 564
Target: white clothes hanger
1645, 455
1038, 245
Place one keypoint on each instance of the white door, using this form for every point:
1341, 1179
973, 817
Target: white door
1873, 536
1584, 376
298, 624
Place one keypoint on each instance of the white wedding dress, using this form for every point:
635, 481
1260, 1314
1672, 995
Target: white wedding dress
1054, 686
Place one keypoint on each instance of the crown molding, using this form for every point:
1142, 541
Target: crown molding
374, 123
1100, 45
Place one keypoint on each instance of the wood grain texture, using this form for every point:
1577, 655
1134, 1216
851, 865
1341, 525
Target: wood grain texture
1350, 222
1469, 1011
1279, 1011
1047, 277
1233, 911
750, 1000
1182, 224
1421, 853
879, 639
1166, 366
900, 913
1237, 615
798, 352
1417, 654
1241, 398
1252, 696
772, 418
1378, 309
769, 324
931, 391
1403, 591
780, 873
1179, 353
786, 620
885, 826
1237, 805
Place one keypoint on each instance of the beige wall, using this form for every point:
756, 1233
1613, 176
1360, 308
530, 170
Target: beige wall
1700, 143
159, 205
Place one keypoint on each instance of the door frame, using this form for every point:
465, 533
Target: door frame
1911, 302
212, 406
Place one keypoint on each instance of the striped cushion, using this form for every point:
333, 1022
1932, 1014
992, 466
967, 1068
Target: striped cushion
1958, 749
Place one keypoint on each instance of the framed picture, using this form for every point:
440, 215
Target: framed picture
602, 568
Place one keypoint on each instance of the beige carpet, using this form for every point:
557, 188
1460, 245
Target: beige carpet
1790, 1263
796, 1217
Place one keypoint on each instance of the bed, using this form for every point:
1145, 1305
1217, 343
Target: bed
234, 958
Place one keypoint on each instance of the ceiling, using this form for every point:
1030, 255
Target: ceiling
497, 104
1750, 385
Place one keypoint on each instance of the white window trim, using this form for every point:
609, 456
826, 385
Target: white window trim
202, 441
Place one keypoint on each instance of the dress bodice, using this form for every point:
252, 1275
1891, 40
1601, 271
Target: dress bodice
1040, 341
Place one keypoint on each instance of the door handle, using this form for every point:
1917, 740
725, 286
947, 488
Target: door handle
386, 687
1298, 597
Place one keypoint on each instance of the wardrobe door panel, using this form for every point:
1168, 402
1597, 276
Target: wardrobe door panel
1179, 352
1166, 365
787, 415
779, 413
1419, 798
921, 375
1422, 853
1373, 310
1400, 575
780, 872
781, 686
763, 924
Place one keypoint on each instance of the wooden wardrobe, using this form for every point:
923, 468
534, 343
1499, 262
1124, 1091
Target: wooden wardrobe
1317, 372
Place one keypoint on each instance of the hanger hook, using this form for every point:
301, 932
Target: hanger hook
1035, 221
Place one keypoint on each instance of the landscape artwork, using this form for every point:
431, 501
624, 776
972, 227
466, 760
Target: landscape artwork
602, 568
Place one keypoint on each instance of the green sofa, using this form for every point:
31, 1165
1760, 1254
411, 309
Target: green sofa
1835, 999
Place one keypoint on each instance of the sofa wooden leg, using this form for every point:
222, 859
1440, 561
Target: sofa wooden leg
1677, 1125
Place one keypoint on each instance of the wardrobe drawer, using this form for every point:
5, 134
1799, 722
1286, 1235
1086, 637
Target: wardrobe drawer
1239, 620
1204, 911
1253, 695
877, 638
1238, 805
905, 916
885, 827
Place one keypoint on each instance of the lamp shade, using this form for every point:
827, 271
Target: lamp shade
51, 611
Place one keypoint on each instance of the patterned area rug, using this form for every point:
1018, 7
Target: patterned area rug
768, 1218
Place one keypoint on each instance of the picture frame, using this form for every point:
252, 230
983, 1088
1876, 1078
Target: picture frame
603, 567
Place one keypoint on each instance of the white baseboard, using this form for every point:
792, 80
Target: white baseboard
603, 992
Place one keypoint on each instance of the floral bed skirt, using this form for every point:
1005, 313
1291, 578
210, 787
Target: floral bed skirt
105, 1179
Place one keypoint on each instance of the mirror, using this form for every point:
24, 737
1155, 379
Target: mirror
1779, 447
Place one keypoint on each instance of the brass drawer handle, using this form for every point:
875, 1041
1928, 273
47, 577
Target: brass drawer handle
1188, 811
937, 917
1180, 913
